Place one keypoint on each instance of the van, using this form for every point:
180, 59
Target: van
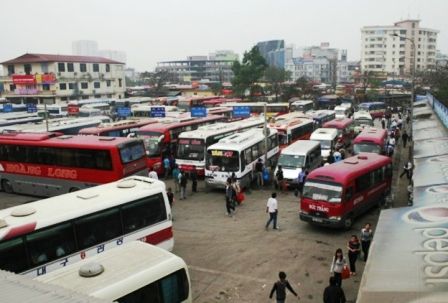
302, 154
328, 138
362, 119
342, 112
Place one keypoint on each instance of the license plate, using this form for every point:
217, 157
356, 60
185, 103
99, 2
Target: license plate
318, 220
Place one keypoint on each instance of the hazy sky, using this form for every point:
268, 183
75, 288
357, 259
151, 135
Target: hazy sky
156, 30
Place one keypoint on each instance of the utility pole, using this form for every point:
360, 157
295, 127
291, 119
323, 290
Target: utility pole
266, 134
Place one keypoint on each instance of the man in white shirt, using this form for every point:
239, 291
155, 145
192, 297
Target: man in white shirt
272, 209
152, 174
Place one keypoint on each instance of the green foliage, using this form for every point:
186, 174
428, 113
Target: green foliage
276, 77
248, 72
437, 80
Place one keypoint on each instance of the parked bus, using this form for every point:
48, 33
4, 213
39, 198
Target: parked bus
342, 111
345, 129
144, 111
227, 112
53, 110
67, 126
334, 195
192, 145
321, 116
370, 140
301, 155
74, 106
8, 119
49, 234
134, 272
302, 105
122, 128
161, 138
186, 103
361, 119
238, 154
257, 108
328, 138
328, 101
12, 108
45, 164
293, 129
376, 109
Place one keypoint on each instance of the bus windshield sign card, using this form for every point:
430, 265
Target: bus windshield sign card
198, 111
31, 108
123, 111
157, 112
241, 111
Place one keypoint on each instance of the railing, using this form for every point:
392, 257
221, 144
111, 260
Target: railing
439, 108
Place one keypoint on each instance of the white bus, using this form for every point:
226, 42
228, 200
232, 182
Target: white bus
53, 110
144, 111
362, 119
302, 105
134, 272
192, 145
328, 138
48, 234
238, 154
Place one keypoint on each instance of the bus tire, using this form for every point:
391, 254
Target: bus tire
7, 187
348, 222
73, 189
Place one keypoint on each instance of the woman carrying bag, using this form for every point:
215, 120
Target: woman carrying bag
339, 267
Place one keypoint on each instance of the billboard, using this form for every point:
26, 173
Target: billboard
23, 79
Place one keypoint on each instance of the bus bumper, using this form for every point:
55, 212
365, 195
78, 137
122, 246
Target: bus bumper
335, 223
214, 183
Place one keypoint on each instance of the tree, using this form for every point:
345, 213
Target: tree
304, 85
248, 72
276, 77
157, 80
437, 80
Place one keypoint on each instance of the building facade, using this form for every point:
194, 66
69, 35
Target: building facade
383, 52
38, 78
273, 52
196, 68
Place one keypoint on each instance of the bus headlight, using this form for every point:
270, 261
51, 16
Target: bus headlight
335, 218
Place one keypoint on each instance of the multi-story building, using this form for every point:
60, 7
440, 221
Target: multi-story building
35, 78
226, 55
197, 68
383, 52
273, 52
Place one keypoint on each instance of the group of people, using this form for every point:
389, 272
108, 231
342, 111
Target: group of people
394, 126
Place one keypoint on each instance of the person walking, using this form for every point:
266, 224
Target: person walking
407, 169
272, 210
366, 239
176, 174
183, 180
300, 182
280, 179
194, 180
353, 251
404, 137
152, 174
167, 166
337, 266
383, 122
259, 173
230, 196
334, 293
280, 288
170, 196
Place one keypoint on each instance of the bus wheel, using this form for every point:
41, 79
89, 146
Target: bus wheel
7, 187
73, 189
348, 222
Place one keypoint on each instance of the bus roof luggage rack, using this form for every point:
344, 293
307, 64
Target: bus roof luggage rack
351, 161
106, 138
362, 157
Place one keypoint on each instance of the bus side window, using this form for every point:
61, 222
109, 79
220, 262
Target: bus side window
348, 193
243, 161
248, 156
13, 255
362, 183
145, 212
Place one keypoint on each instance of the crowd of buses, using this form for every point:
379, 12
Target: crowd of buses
101, 170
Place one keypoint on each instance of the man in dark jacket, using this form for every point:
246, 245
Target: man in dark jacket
194, 180
280, 288
333, 293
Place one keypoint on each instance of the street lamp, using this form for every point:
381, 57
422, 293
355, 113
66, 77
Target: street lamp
412, 80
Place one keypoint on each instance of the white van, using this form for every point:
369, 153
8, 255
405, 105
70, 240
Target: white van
302, 154
328, 138
362, 119
342, 112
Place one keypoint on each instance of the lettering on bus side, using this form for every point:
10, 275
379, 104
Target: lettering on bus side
64, 262
41, 270
319, 208
62, 173
23, 169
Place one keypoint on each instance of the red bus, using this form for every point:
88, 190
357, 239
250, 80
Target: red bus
161, 138
292, 129
122, 128
345, 127
370, 140
227, 112
219, 101
334, 195
48, 164
185, 103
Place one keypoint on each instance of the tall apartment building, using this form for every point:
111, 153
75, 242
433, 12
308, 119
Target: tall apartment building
273, 52
35, 78
381, 51
216, 68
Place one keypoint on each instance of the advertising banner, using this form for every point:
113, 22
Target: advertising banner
23, 79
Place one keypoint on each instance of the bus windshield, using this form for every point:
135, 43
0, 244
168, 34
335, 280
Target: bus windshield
325, 144
322, 191
223, 160
153, 141
291, 161
359, 122
366, 148
131, 152
190, 149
